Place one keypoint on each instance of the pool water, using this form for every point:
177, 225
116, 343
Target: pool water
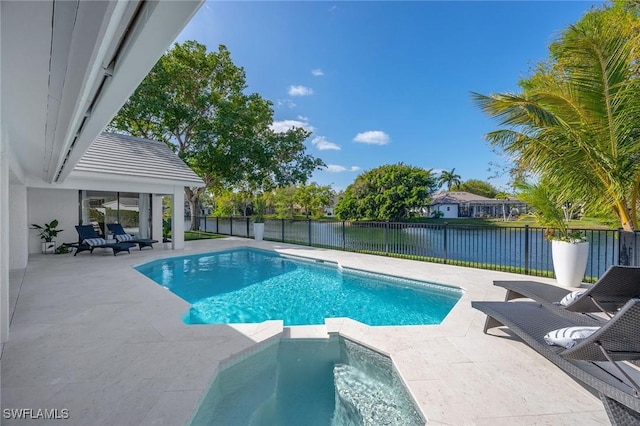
311, 382
252, 286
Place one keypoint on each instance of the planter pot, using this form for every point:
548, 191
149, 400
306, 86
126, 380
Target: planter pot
48, 247
258, 231
569, 262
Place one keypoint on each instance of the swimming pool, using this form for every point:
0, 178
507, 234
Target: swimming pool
251, 286
311, 382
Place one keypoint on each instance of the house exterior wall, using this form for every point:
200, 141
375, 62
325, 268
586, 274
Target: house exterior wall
449, 211
19, 234
4, 235
45, 205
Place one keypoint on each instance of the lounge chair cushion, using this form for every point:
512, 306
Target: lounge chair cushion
124, 237
568, 337
95, 241
571, 297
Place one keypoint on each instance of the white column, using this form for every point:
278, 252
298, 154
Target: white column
156, 217
177, 218
4, 238
144, 208
19, 227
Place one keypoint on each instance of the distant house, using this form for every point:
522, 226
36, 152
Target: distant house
464, 204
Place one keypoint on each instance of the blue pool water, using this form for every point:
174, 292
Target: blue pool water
311, 382
252, 286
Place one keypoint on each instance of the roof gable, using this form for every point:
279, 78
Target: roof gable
122, 155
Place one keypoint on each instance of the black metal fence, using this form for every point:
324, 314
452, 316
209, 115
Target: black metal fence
515, 249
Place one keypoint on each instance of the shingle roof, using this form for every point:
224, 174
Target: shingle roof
457, 197
129, 156
467, 197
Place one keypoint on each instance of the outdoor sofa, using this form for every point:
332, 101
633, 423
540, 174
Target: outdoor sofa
595, 361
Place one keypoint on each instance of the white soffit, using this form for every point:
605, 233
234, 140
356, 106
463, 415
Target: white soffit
69, 65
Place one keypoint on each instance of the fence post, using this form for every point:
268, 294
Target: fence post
344, 237
247, 226
526, 250
309, 220
231, 225
282, 230
386, 237
217, 224
626, 248
444, 239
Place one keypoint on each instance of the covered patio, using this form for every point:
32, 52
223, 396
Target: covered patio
66, 69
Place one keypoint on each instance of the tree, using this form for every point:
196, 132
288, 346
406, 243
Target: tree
194, 101
449, 178
504, 197
478, 187
229, 203
284, 201
575, 122
313, 198
387, 192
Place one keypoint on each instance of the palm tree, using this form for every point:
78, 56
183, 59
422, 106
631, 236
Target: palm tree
449, 178
575, 125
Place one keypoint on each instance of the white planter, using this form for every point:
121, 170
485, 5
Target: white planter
569, 262
258, 231
48, 248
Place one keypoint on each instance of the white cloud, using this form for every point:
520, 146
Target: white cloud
317, 72
284, 125
335, 168
286, 102
333, 8
372, 137
323, 144
300, 91
303, 118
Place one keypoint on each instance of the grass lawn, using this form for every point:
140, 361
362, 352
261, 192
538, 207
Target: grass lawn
585, 223
199, 235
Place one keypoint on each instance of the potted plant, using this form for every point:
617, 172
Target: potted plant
569, 248
259, 207
47, 233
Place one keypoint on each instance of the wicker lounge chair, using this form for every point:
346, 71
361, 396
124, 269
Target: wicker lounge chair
595, 361
610, 293
122, 236
89, 240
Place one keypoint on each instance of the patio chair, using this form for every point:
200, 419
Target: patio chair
595, 361
122, 236
607, 295
89, 240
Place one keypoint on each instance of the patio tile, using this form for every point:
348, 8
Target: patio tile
173, 408
110, 346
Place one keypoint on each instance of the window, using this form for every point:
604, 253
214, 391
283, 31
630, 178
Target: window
131, 209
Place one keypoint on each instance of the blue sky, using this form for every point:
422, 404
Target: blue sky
386, 82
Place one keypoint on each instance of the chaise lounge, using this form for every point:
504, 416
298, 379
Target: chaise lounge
122, 236
594, 360
90, 240
607, 295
